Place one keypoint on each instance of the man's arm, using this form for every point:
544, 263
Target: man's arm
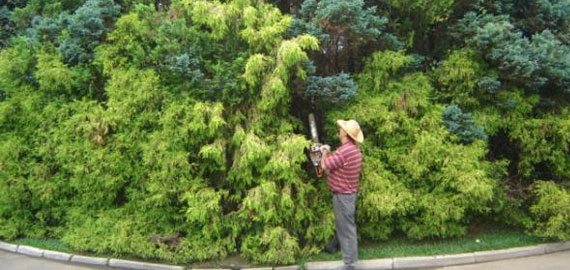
325, 153
330, 161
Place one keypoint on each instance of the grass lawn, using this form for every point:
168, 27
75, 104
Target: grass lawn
49, 244
480, 237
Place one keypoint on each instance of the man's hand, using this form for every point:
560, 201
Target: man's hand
325, 148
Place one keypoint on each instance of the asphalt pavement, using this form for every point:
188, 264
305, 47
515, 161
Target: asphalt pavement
552, 261
14, 261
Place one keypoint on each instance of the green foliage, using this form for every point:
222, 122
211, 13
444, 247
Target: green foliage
158, 154
416, 178
129, 44
174, 130
44, 29
53, 75
538, 62
462, 124
416, 23
342, 27
382, 66
290, 54
424, 11
87, 27
75, 35
334, 89
327, 19
213, 15
460, 77
256, 64
551, 210
29, 207
282, 247
264, 26
544, 142
6, 26
18, 64
534, 16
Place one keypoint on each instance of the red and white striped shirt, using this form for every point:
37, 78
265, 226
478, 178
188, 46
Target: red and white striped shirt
344, 168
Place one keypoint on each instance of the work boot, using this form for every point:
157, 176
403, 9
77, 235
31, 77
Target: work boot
333, 246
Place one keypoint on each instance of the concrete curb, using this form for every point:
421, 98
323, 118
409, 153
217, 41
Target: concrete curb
8, 247
142, 265
325, 265
89, 260
413, 262
31, 251
511, 253
433, 261
290, 267
378, 264
455, 259
54, 255
550, 248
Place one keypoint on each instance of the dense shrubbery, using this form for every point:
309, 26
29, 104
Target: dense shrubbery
551, 211
418, 177
175, 130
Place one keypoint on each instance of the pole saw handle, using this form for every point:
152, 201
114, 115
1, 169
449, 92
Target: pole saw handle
315, 152
319, 171
316, 155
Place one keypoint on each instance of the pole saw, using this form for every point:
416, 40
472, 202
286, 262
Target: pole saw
315, 151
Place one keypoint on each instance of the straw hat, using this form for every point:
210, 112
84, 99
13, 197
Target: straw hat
352, 129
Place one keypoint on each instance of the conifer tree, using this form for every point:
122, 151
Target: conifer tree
174, 130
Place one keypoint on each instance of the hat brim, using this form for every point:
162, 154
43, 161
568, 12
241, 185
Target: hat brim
358, 138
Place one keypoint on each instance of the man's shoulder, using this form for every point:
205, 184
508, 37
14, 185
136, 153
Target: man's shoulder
348, 148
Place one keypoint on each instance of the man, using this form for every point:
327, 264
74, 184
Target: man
343, 170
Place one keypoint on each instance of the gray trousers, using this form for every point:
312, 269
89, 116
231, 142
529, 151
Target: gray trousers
344, 207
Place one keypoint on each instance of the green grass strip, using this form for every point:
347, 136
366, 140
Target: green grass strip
49, 244
486, 238
402, 247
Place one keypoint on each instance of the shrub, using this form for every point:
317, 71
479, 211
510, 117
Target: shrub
416, 179
551, 211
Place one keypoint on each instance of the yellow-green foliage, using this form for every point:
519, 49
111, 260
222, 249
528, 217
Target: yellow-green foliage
428, 10
417, 177
269, 159
382, 66
145, 158
128, 44
53, 75
175, 130
526, 128
17, 63
513, 106
540, 139
265, 26
531, 136
291, 53
256, 65
212, 14
458, 78
551, 210
281, 245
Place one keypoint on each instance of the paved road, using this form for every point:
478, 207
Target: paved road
552, 261
13, 261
